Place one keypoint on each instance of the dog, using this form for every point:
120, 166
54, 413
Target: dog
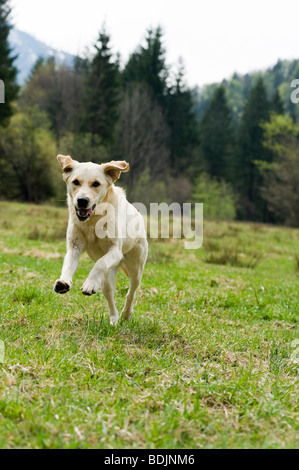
95, 203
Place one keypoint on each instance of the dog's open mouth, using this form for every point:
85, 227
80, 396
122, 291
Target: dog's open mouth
84, 214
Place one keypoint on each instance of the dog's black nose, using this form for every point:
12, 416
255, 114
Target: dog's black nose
83, 202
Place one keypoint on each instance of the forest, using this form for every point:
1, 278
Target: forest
230, 145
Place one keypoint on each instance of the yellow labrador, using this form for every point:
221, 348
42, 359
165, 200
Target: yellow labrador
103, 223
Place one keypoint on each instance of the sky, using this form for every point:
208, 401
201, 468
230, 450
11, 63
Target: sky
215, 38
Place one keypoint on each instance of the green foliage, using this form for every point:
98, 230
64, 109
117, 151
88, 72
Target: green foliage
102, 93
83, 147
146, 114
26, 158
148, 65
57, 91
8, 72
235, 96
235, 160
217, 137
219, 201
38, 88
276, 78
147, 68
147, 191
276, 104
250, 148
281, 175
181, 120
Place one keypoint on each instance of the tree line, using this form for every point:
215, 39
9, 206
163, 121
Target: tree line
241, 165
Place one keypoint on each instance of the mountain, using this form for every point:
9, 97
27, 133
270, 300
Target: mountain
29, 50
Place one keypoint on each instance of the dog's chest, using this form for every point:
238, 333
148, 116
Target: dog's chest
96, 247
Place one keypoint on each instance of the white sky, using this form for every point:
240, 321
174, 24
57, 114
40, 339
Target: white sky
214, 37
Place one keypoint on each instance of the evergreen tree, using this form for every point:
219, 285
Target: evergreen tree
148, 65
250, 148
217, 137
276, 104
39, 64
102, 92
8, 72
182, 122
278, 73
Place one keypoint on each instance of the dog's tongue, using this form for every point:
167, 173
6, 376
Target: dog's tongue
85, 212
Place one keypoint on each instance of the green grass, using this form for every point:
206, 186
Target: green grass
205, 362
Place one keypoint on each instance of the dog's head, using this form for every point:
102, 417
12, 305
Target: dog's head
88, 183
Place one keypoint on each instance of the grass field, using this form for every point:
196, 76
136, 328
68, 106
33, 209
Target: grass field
207, 361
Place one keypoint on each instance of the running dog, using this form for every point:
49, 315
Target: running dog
103, 223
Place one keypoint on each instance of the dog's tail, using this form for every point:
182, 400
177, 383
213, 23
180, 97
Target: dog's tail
124, 270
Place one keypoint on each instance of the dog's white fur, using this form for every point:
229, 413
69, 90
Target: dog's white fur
96, 182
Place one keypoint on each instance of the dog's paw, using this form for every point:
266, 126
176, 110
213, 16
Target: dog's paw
126, 314
61, 287
90, 287
114, 318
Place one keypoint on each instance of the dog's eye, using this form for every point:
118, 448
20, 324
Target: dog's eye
76, 183
96, 184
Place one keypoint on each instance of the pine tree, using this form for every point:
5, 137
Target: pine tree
100, 104
217, 137
148, 65
276, 104
250, 148
182, 123
8, 72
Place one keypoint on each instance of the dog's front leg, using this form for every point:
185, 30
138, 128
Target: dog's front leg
70, 265
102, 267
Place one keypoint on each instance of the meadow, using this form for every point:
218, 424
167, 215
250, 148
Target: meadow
208, 360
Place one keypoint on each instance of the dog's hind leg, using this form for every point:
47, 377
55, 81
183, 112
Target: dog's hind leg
134, 262
108, 289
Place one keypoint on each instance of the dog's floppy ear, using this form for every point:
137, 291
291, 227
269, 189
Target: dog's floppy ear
113, 170
67, 164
